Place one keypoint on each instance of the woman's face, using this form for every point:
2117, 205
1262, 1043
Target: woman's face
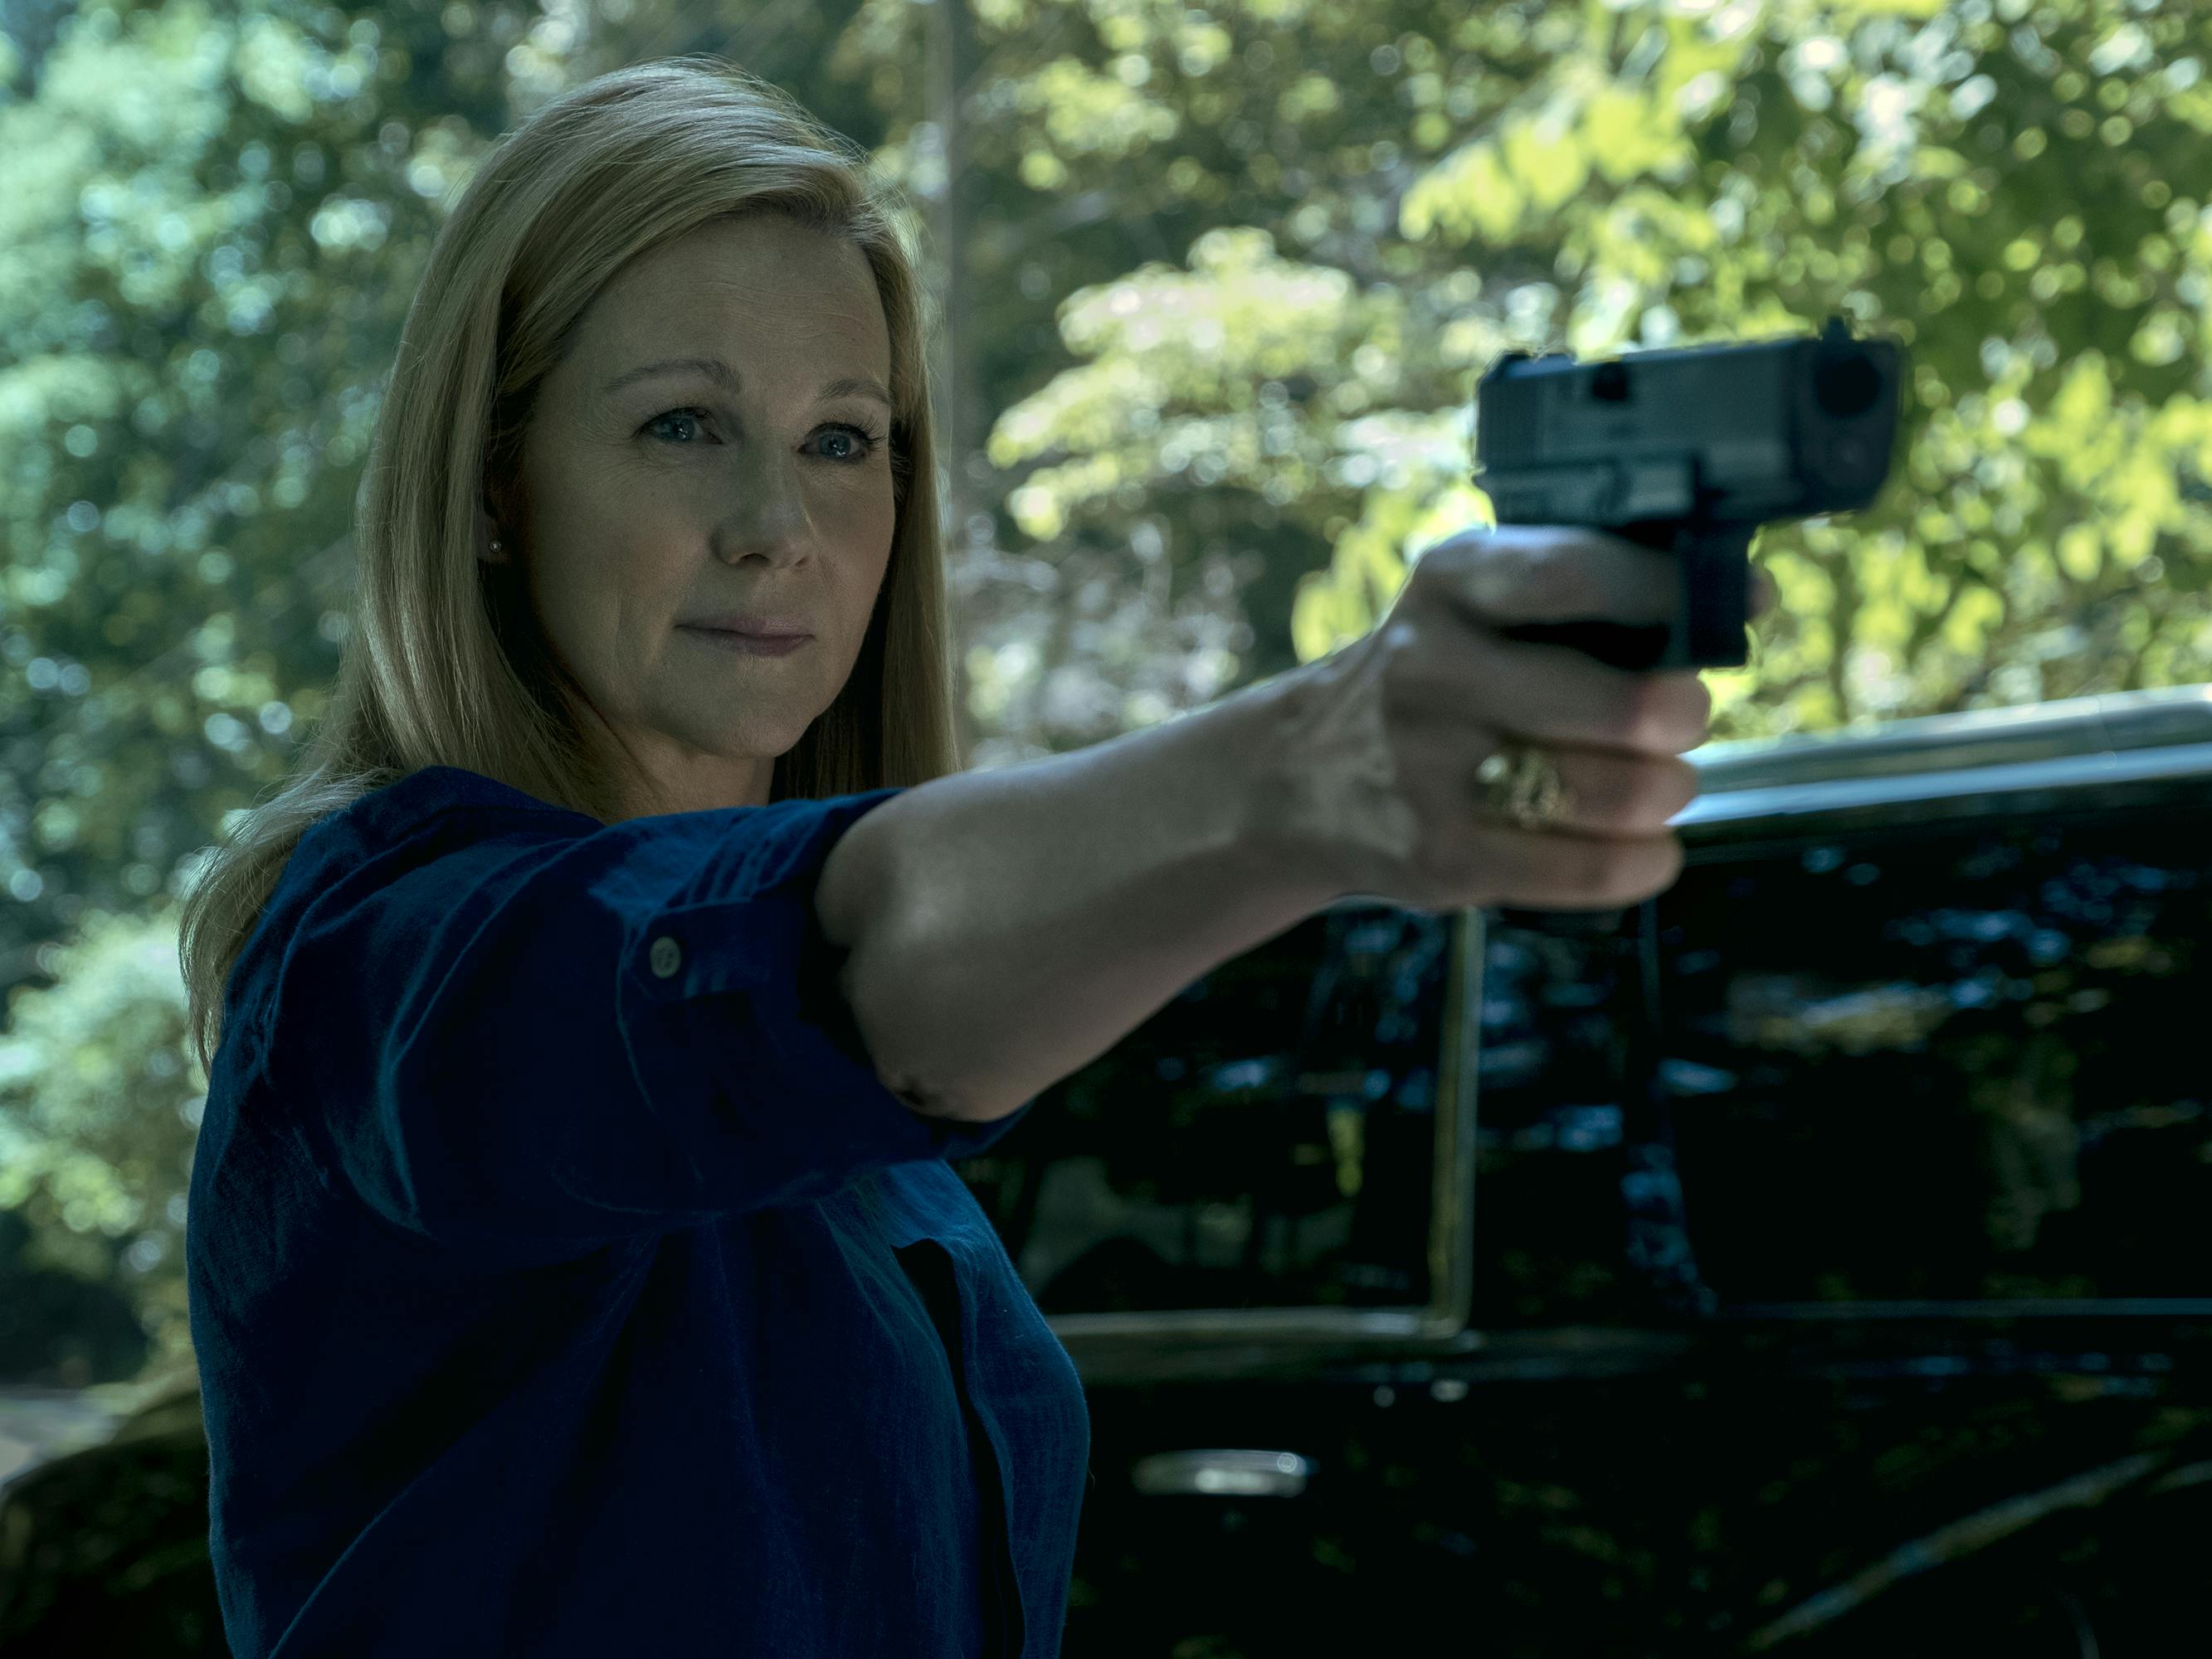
751, 472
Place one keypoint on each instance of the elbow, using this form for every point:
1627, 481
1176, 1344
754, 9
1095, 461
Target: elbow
881, 1004
883, 990
954, 1105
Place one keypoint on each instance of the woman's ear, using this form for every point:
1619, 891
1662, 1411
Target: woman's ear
491, 546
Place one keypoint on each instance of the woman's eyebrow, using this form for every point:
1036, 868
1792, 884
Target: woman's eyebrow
715, 370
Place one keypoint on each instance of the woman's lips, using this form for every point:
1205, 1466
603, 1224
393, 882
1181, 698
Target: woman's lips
752, 645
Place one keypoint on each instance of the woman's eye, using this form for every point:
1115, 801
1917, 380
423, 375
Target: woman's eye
694, 416
859, 442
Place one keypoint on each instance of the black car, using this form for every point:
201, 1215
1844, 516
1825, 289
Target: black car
1811, 1260
1814, 1259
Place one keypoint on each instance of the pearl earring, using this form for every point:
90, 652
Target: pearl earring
494, 543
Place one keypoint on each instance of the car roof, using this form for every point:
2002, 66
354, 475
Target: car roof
2116, 737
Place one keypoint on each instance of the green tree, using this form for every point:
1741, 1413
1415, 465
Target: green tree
98, 1115
2005, 186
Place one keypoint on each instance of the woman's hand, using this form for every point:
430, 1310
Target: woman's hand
1374, 780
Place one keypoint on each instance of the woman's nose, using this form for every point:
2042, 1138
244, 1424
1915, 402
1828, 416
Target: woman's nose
766, 511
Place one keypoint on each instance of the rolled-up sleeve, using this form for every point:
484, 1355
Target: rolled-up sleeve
521, 1032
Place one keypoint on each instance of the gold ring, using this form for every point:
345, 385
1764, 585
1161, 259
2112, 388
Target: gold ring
1523, 781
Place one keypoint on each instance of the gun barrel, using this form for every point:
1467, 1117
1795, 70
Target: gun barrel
1734, 433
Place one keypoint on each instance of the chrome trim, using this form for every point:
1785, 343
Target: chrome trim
1451, 1224
2164, 717
1796, 801
1251, 1324
1222, 1474
2050, 1307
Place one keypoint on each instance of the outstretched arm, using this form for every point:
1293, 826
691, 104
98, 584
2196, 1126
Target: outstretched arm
1006, 927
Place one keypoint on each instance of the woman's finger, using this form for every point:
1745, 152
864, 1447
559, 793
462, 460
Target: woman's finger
1622, 796
1560, 870
1517, 574
1443, 669
1602, 793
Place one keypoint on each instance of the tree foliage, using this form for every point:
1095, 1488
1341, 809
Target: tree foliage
97, 1123
2011, 189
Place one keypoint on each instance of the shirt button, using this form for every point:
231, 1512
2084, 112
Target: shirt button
667, 957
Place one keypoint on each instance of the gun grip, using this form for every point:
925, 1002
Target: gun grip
1716, 566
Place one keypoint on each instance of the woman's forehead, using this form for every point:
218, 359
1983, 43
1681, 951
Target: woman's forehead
731, 292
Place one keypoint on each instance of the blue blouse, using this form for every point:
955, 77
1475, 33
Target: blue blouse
564, 1282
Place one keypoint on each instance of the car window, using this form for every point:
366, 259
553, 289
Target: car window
1267, 1139
1548, 1218
1972, 1065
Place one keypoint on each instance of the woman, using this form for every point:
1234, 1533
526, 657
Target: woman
574, 1264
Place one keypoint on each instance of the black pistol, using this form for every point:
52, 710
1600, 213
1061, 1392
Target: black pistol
1689, 451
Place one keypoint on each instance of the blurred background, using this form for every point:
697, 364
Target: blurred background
1214, 285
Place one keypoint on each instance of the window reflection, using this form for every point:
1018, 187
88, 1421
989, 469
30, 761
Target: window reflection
1548, 1223
1963, 1067
1267, 1139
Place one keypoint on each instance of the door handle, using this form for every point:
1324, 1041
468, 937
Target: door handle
1223, 1474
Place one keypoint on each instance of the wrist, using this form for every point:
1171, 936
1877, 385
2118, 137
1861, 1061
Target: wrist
1295, 808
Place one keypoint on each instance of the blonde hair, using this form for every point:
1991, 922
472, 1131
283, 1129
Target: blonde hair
444, 664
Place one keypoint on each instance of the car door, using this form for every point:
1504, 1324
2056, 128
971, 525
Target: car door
1927, 1064
1265, 1180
